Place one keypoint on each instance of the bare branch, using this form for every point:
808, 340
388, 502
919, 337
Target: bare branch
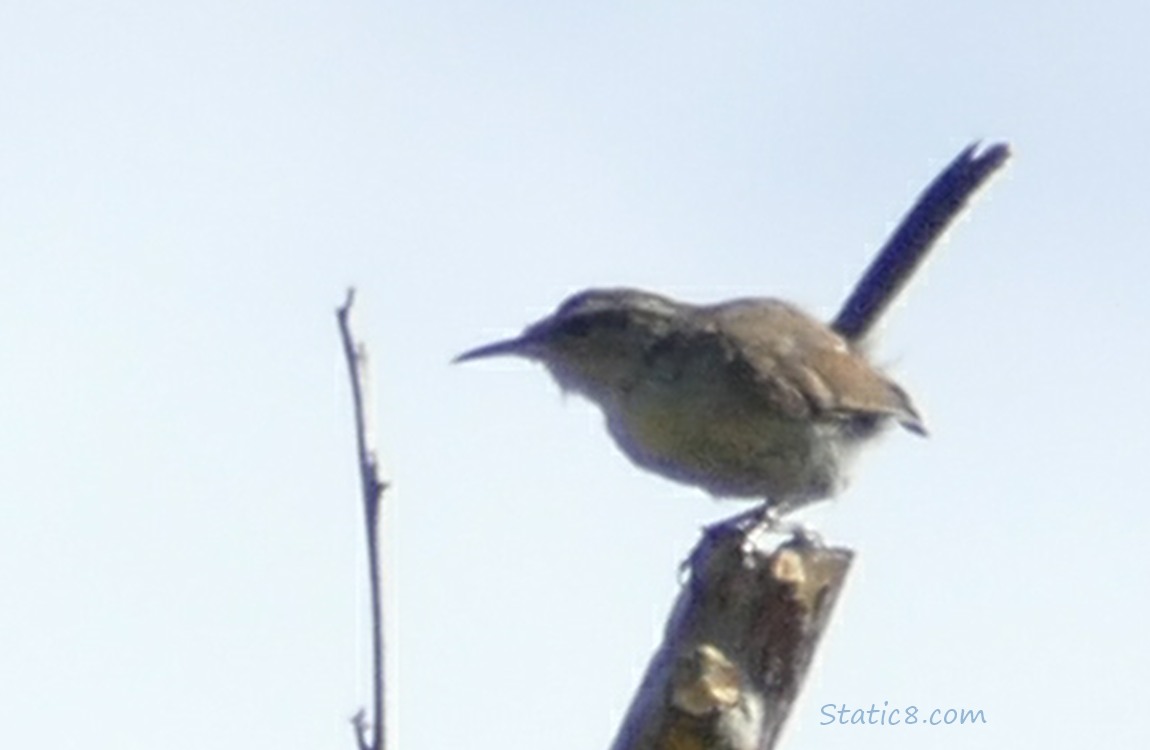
372, 488
737, 646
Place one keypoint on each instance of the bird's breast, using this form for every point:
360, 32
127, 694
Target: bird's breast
725, 444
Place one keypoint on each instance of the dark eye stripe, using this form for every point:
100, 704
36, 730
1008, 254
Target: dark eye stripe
577, 327
580, 325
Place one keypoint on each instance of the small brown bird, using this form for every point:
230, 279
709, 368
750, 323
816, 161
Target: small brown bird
750, 398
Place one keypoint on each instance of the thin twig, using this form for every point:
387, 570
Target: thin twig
373, 488
936, 208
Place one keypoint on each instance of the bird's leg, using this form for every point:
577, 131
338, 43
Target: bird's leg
765, 519
754, 524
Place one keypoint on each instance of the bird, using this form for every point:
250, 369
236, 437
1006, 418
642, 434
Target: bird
749, 398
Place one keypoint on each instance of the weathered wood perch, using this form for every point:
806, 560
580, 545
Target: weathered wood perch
737, 646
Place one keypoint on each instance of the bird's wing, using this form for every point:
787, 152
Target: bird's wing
829, 379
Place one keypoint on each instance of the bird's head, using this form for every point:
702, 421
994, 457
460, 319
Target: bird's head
595, 342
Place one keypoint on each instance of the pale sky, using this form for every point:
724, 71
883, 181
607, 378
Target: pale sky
187, 190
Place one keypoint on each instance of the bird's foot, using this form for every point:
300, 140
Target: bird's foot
753, 525
766, 520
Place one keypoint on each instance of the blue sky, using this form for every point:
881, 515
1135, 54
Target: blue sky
186, 191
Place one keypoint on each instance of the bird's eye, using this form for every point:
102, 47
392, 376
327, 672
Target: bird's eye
577, 327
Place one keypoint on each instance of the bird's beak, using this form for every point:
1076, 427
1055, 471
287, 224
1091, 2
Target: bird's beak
520, 346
